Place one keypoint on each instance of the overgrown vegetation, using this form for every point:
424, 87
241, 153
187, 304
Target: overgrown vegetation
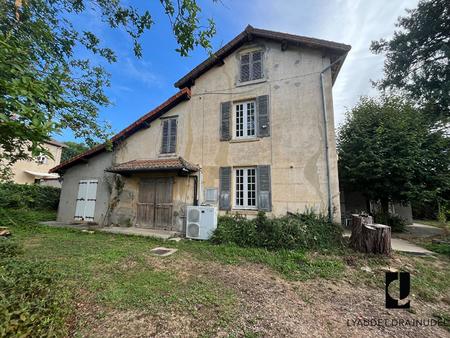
396, 223
117, 272
292, 232
30, 196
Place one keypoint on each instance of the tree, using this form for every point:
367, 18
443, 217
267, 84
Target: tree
45, 88
73, 149
387, 151
418, 57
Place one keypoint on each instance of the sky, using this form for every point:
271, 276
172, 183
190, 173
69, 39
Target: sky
139, 85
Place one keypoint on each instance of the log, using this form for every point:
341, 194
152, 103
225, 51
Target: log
370, 238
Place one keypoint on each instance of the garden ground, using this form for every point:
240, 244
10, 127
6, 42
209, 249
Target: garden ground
116, 288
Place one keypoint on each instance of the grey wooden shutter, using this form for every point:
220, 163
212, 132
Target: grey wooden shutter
257, 70
173, 136
245, 68
262, 104
225, 188
165, 137
225, 121
264, 188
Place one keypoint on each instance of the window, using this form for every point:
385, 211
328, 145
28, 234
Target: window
42, 159
169, 136
245, 119
251, 66
245, 189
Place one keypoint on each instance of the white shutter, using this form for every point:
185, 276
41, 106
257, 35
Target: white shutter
85, 204
81, 200
91, 196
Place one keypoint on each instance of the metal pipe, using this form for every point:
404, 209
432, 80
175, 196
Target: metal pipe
325, 122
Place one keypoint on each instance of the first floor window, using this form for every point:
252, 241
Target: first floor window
245, 189
245, 119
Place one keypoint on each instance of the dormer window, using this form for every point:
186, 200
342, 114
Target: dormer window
251, 66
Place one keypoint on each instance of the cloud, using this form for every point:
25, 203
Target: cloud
140, 70
348, 21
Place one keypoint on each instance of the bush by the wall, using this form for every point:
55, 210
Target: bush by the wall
396, 223
294, 231
30, 196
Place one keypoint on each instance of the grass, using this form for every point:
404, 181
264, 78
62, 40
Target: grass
434, 223
117, 271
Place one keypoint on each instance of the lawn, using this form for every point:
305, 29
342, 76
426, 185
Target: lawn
105, 285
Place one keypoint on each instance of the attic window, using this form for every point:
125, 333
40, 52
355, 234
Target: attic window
251, 66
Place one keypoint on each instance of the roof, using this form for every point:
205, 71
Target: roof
143, 122
56, 143
334, 48
153, 165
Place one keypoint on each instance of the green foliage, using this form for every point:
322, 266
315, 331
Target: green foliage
9, 248
441, 248
73, 149
396, 223
30, 196
388, 152
31, 303
418, 57
291, 232
25, 217
45, 88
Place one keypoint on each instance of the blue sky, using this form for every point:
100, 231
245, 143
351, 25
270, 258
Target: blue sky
138, 85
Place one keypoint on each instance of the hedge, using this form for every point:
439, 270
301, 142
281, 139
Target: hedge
31, 196
305, 231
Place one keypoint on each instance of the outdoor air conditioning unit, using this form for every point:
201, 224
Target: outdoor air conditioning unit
201, 222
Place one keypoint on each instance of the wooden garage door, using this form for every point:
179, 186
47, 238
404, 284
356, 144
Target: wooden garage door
154, 208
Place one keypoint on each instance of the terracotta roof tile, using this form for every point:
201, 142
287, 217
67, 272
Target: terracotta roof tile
250, 33
182, 95
153, 165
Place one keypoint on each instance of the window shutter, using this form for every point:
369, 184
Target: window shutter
245, 67
262, 103
225, 120
264, 188
165, 137
257, 72
173, 136
225, 188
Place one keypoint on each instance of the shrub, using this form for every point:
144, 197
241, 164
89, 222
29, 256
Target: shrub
24, 217
31, 302
32, 196
396, 223
293, 231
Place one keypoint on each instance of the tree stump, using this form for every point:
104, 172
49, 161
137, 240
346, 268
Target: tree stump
368, 237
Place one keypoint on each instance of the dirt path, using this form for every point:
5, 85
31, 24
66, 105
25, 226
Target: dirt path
267, 306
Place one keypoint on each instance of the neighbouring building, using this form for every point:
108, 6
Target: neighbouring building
37, 170
250, 129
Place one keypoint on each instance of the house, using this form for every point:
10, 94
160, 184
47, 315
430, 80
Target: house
37, 170
251, 128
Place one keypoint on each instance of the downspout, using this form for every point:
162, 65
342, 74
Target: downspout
325, 122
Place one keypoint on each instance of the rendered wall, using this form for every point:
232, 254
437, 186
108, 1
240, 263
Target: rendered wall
93, 169
295, 149
18, 169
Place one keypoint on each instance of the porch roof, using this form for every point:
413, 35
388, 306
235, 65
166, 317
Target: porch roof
163, 164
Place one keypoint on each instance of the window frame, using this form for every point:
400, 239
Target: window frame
250, 66
245, 110
168, 121
245, 205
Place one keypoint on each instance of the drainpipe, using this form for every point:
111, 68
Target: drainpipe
325, 122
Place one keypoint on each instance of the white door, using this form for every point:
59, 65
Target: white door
85, 206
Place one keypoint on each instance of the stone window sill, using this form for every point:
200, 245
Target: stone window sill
246, 83
243, 140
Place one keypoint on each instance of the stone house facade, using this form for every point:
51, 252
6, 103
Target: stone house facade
250, 129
